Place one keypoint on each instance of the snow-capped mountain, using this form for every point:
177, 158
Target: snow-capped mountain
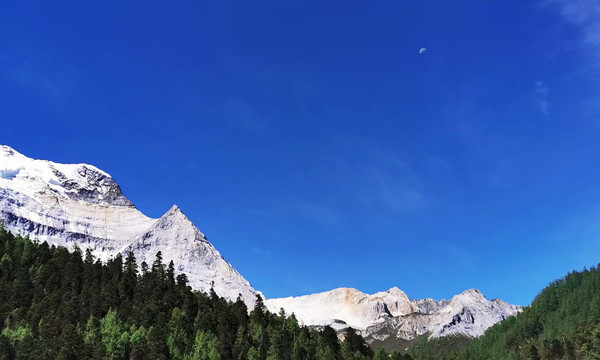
79, 204
392, 314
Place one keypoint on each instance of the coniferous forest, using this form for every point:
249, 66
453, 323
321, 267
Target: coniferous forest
563, 322
56, 304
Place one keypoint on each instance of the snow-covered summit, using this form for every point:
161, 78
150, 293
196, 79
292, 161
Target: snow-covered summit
77, 181
79, 204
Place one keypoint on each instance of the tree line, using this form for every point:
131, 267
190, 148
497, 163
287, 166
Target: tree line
563, 322
67, 305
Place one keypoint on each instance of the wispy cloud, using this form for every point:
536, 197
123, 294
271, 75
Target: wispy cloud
27, 75
585, 14
394, 184
320, 214
541, 97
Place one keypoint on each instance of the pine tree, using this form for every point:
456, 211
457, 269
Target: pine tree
205, 347
138, 343
179, 331
381, 354
60, 305
114, 337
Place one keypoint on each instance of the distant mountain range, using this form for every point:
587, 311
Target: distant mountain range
391, 314
80, 205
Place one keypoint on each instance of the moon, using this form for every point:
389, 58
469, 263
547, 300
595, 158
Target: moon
422, 50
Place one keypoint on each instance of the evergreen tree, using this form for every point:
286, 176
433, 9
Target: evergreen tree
177, 340
56, 304
381, 354
114, 337
205, 347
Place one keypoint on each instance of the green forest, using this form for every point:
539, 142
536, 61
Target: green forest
56, 304
563, 322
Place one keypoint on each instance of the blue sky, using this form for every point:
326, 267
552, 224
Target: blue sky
316, 147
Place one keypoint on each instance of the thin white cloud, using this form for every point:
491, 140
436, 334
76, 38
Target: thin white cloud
541, 94
394, 184
585, 14
320, 214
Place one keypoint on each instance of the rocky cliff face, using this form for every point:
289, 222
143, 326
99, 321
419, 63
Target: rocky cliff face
80, 205
392, 314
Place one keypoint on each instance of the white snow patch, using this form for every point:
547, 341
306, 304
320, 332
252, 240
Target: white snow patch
80, 205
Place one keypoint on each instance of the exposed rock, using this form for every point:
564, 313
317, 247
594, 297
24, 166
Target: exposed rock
80, 205
393, 314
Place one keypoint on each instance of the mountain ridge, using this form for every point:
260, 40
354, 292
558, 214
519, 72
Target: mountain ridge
80, 205
393, 314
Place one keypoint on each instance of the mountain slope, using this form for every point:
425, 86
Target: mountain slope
392, 314
563, 322
54, 304
80, 205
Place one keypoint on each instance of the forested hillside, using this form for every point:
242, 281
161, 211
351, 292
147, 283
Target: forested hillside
563, 322
56, 304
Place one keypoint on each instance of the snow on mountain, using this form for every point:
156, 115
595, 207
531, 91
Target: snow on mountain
392, 313
80, 205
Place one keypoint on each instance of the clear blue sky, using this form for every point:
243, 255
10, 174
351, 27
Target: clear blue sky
315, 146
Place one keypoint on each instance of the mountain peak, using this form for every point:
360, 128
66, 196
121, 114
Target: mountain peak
78, 182
174, 210
175, 216
80, 205
469, 297
6, 150
472, 293
396, 292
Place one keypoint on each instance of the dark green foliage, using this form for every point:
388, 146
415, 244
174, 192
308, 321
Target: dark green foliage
563, 322
56, 304
355, 347
442, 348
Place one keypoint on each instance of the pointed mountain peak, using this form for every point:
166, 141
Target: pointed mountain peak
81, 205
469, 298
396, 292
472, 293
180, 224
175, 212
174, 209
500, 302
